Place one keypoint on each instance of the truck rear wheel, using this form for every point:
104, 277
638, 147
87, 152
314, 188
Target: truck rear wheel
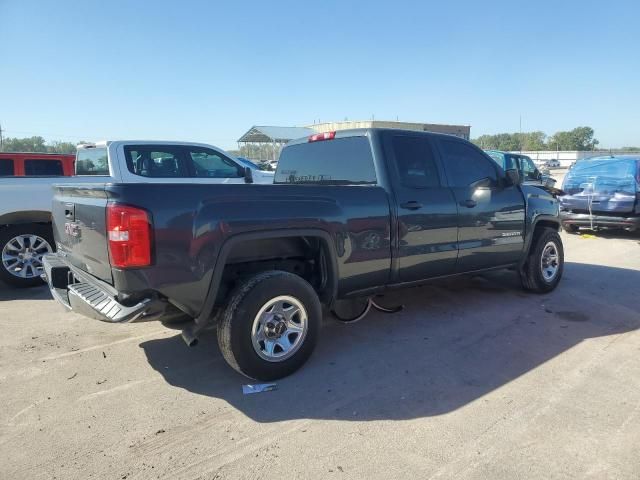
270, 325
543, 268
22, 248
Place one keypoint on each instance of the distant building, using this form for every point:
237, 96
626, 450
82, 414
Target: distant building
462, 131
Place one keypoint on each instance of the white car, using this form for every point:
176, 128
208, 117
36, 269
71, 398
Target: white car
25, 202
553, 163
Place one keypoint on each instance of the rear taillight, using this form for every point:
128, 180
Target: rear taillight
322, 136
129, 236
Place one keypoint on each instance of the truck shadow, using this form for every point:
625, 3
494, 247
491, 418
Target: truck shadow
455, 342
8, 292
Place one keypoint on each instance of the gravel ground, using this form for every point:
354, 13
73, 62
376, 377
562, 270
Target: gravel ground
474, 379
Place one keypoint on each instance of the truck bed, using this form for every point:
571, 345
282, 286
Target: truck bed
192, 223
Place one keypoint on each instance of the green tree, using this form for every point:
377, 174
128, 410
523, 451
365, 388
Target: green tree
37, 145
61, 147
533, 141
30, 144
580, 138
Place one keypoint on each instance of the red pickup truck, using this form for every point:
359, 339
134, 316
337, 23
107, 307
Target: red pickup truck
36, 164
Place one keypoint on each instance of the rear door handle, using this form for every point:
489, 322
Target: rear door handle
412, 205
469, 203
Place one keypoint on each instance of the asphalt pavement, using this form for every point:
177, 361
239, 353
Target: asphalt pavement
474, 379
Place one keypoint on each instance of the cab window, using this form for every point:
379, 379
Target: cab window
211, 164
43, 168
415, 161
464, 165
155, 161
528, 170
6, 167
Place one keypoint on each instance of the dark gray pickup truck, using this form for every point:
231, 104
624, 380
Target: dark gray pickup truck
351, 214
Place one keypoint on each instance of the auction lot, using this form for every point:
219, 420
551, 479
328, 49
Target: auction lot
474, 379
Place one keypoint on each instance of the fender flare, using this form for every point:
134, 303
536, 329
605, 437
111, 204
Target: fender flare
231, 242
542, 217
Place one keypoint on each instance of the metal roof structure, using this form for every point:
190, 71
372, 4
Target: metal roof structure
271, 134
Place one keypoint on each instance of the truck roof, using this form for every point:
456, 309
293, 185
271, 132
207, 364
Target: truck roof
107, 143
357, 132
37, 154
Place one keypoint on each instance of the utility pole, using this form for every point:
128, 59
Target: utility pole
1, 139
520, 134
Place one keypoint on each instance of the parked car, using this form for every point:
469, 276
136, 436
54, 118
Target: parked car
15, 164
25, 203
528, 171
602, 192
553, 163
352, 213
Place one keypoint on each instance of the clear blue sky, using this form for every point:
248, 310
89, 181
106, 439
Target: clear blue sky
207, 70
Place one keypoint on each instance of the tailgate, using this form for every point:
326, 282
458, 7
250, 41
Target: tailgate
79, 228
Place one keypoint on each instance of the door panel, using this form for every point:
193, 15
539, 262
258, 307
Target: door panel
427, 215
491, 233
491, 216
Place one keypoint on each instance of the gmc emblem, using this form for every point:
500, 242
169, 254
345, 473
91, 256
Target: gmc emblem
72, 229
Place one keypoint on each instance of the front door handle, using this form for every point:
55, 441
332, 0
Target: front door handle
469, 203
412, 205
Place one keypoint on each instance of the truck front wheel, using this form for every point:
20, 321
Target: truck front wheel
270, 325
543, 268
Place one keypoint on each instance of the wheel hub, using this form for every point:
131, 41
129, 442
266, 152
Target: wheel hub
275, 328
22, 255
549, 262
279, 328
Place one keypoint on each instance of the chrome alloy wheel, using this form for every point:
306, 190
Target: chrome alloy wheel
549, 261
22, 255
279, 328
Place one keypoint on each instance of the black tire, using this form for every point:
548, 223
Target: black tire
7, 234
569, 228
532, 276
236, 324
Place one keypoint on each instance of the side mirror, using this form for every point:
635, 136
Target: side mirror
248, 175
512, 177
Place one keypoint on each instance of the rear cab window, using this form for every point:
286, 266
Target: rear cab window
339, 161
7, 168
92, 161
43, 168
